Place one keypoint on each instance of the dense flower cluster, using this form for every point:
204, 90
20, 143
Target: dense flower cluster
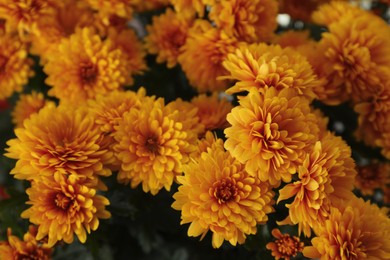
250, 145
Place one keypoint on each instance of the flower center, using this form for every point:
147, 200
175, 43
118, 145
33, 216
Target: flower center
225, 190
88, 72
62, 201
152, 145
288, 246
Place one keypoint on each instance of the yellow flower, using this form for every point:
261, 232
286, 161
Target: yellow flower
63, 206
217, 194
151, 146
107, 8
263, 66
334, 11
271, 132
202, 55
166, 35
28, 248
247, 20
209, 140
190, 7
355, 230
27, 105
327, 173
212, 110
22, 15
15, 66
373, 176
88, 66
284, 246
58, 139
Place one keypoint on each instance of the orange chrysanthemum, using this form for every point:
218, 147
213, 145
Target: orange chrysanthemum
264, 66
300, 11
58, 139
327, 173
190, 7
212, 110
334, 11
63, 206
355, 230
27, 105
202, 55
209, 140
373, 176
28, 248
151, 146
167, 34
107, 8
15, 66
247, 20
271, 132
285, 246
88, 66
217, 194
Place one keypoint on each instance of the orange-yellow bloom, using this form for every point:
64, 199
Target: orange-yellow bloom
299, 11
63, 206
247, 20
354, 230
334, 11
217, 194
190, 7
373, 176
285, 246
107, 8
326, 174
271, 132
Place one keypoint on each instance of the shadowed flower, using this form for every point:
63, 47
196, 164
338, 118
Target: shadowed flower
142, 6
27, 105
300, 11
166, 35
88, 66
63, 206
285, 246
58, 139
373, 176
217, 194
271, 132
15, 66
334, 11
264, 66
354, 230
247, 20
212, 110
326, 174
28, 248
202, 55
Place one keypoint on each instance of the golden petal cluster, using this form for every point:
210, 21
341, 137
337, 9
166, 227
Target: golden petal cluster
88, 66
354, 230
334, 11
217, 194
202, 56
247, 20
151, 146
63, 206
209, 140
327, 174
285, 246
191, 7
166, 35
15, 65
263, 66
375, 175
270, 133
108, 8
60, 139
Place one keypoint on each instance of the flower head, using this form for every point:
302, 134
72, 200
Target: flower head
300, 11
373, 176
285, 246
217, 194
334, 11
107, 8
271, 132
190, 7
63, 206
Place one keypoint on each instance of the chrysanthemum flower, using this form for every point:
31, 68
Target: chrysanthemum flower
285, 246
326, 174
373, 176
212, 110
27, 105
217, 194
300, 11
63, 206
15, 66
209, 140
271, 132
107, 8
149, 145
88, 66
247, 20
333, 11
263, 66
28, 248
202, 55
58, 139
22, 16
166, 35
355, 230
190, 7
